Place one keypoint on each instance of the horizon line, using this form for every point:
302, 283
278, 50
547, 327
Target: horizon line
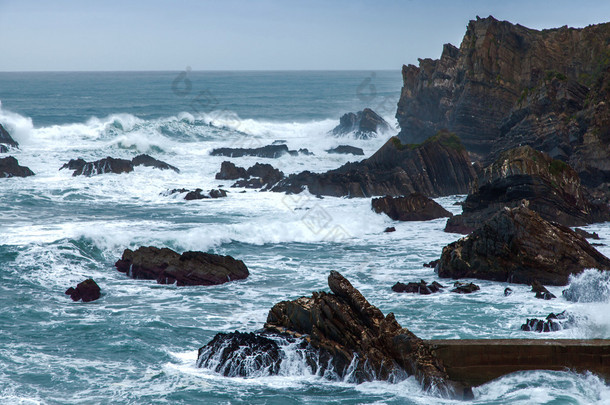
198, 70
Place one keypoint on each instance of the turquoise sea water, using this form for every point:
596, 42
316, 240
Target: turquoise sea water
138, 343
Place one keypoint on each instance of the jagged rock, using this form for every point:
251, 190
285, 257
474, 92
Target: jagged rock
364, 124
228, 171
240, 355
418, 288
74, 164
508, 291
508, 85
440, 166
553, 323
551, 187
188, 268
541, 291
3, 149
197, 194
87, 291
587, 235
149, 161
465, 288
6, 139
269, 151
9, 167
267, 173
107, 165
518, 246
346, 150
414, 207
390, 229
432, 264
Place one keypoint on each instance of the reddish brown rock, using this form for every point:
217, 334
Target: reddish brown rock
87, 291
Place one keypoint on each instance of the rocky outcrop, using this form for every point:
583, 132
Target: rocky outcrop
422, 287
6, 140
552, 323
465, 288
9, 167
74, 164
189, 268
586, 235
346, 150
518, 246
440, 166
197, 194
551, 186
343, 336
261, 175
87, 291
541, 291
414, 207
363, 124
149, 161
269, 151
508, 85
228, 171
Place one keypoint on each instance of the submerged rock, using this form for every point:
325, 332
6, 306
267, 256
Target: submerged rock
9, 167
390, 229
413, 207
541, 291
198, 193
346, 150
102, 166
418, 288
189, 268
6, 140
518, 246
269, 151
552, 188
343, 336
149, 161
364, 124
87, 291
465, 288
553, 323
439, 166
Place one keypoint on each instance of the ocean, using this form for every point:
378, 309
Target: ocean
138, 343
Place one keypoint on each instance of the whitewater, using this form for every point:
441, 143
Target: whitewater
139, 342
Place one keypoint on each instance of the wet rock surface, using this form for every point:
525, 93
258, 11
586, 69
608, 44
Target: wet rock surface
413, 207
228, 171
6, 140
518, 246
189, 268
440, 166
363, 124
9, 167
197, 194
422, 287
346, 150
112, 165
552, 323
465, 288
269, 151
149, 161
86, 291
261, 175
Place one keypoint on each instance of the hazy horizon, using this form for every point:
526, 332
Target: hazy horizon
265, 35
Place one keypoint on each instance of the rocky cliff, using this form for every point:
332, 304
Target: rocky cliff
508, 85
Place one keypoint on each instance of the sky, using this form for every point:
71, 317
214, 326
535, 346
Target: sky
112, 35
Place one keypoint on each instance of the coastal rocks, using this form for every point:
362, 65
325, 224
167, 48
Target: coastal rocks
87, 291
552, 323
587, 235
552, 188
240, 355
414, 207
440, 166
390, 229
346, 150
74, 164
228, 171
190, 268
149, 161
269, 151
541, 291
417, 288
6, 140
518, 246
261, 175
364, 124
198, 193
465, 288
9, 167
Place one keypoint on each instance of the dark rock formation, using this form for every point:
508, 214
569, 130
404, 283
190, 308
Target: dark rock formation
74, 164
541, 291
3, 149
465, 288
107, 165
364, 124
198, 193
240, 355
87, 291
228, 171
518, 246
553, 323
9, 167
390, 229
508, 85
440, 166
346, 150
432, 264
149, 161
417, 288
414, 207
189, 268
587, 235
269, 151
552, 188
6, 139
508, 291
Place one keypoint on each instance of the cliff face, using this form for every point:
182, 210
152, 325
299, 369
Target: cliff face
508, 85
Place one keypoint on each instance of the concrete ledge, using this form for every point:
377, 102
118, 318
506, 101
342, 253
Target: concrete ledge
475, 362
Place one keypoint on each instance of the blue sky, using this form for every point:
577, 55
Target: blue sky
71, 35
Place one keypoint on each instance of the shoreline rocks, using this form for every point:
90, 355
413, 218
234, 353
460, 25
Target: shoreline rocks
6, 140
364, 124
9, 167
261, 175
116, 166
422, 287
86, 291
197, 194
346, 150
189, 268
518, 246
269, 151
413, 207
